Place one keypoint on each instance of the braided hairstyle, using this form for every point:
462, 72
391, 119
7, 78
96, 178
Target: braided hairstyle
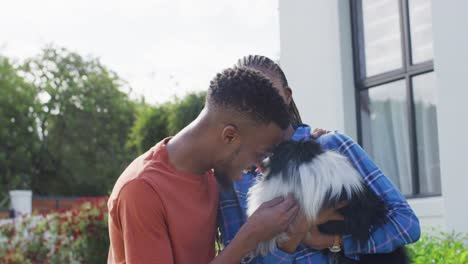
269, 67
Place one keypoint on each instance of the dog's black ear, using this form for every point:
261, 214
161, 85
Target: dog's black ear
362, 213
289, 155
333, 227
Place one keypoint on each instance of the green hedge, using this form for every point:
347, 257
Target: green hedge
440, 247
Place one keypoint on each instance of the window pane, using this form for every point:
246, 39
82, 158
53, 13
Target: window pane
382, 38
384, 120
425, 103
421, 30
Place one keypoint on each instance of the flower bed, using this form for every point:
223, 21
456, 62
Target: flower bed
75, 236
81, 236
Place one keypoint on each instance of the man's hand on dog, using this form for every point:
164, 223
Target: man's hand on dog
297, 230
270, 219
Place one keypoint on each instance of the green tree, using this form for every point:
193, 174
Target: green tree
83, 123
18, 135
69, 127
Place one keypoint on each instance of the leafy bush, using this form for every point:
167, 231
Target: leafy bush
75, 236
156, 123
184, 111
150, 127
440, 248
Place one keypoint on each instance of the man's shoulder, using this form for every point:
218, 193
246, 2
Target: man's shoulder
132, 192
137, 175
137, 187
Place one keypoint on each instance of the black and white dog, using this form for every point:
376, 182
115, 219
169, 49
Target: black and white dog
321, 179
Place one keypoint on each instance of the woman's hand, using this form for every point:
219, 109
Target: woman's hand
319, 132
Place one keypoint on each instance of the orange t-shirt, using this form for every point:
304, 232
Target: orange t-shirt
158, 214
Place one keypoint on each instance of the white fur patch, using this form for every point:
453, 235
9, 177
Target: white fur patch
328, 173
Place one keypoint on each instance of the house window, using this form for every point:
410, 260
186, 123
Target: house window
396, 93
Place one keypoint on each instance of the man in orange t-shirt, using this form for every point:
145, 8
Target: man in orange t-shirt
163, 207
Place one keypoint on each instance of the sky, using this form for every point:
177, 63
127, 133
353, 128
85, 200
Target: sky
162, 48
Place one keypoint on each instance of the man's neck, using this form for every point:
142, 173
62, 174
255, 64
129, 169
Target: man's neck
188, 151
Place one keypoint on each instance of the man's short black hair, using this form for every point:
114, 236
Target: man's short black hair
249, 93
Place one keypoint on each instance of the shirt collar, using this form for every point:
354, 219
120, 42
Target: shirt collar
302, 133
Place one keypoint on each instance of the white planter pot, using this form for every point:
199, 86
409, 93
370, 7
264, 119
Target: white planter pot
21, 201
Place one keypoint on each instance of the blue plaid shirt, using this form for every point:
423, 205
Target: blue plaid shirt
400, 226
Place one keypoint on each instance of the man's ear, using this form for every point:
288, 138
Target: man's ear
288, 93
230, 134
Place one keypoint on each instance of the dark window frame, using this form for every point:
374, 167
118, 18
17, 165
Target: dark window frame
406, 73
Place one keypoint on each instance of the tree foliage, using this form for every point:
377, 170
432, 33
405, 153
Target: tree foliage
70, 128
83, 122
18, 135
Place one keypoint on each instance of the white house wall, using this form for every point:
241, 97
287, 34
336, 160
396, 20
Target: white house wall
450, 24
316, 54
430, 212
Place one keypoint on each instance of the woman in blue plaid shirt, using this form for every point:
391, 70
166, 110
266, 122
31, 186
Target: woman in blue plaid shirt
306, 244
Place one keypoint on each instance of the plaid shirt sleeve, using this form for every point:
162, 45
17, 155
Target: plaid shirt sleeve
229, 216
400, 226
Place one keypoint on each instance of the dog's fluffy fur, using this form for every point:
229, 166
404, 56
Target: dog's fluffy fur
321, 179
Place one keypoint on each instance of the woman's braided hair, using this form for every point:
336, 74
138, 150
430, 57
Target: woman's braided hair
268, 67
